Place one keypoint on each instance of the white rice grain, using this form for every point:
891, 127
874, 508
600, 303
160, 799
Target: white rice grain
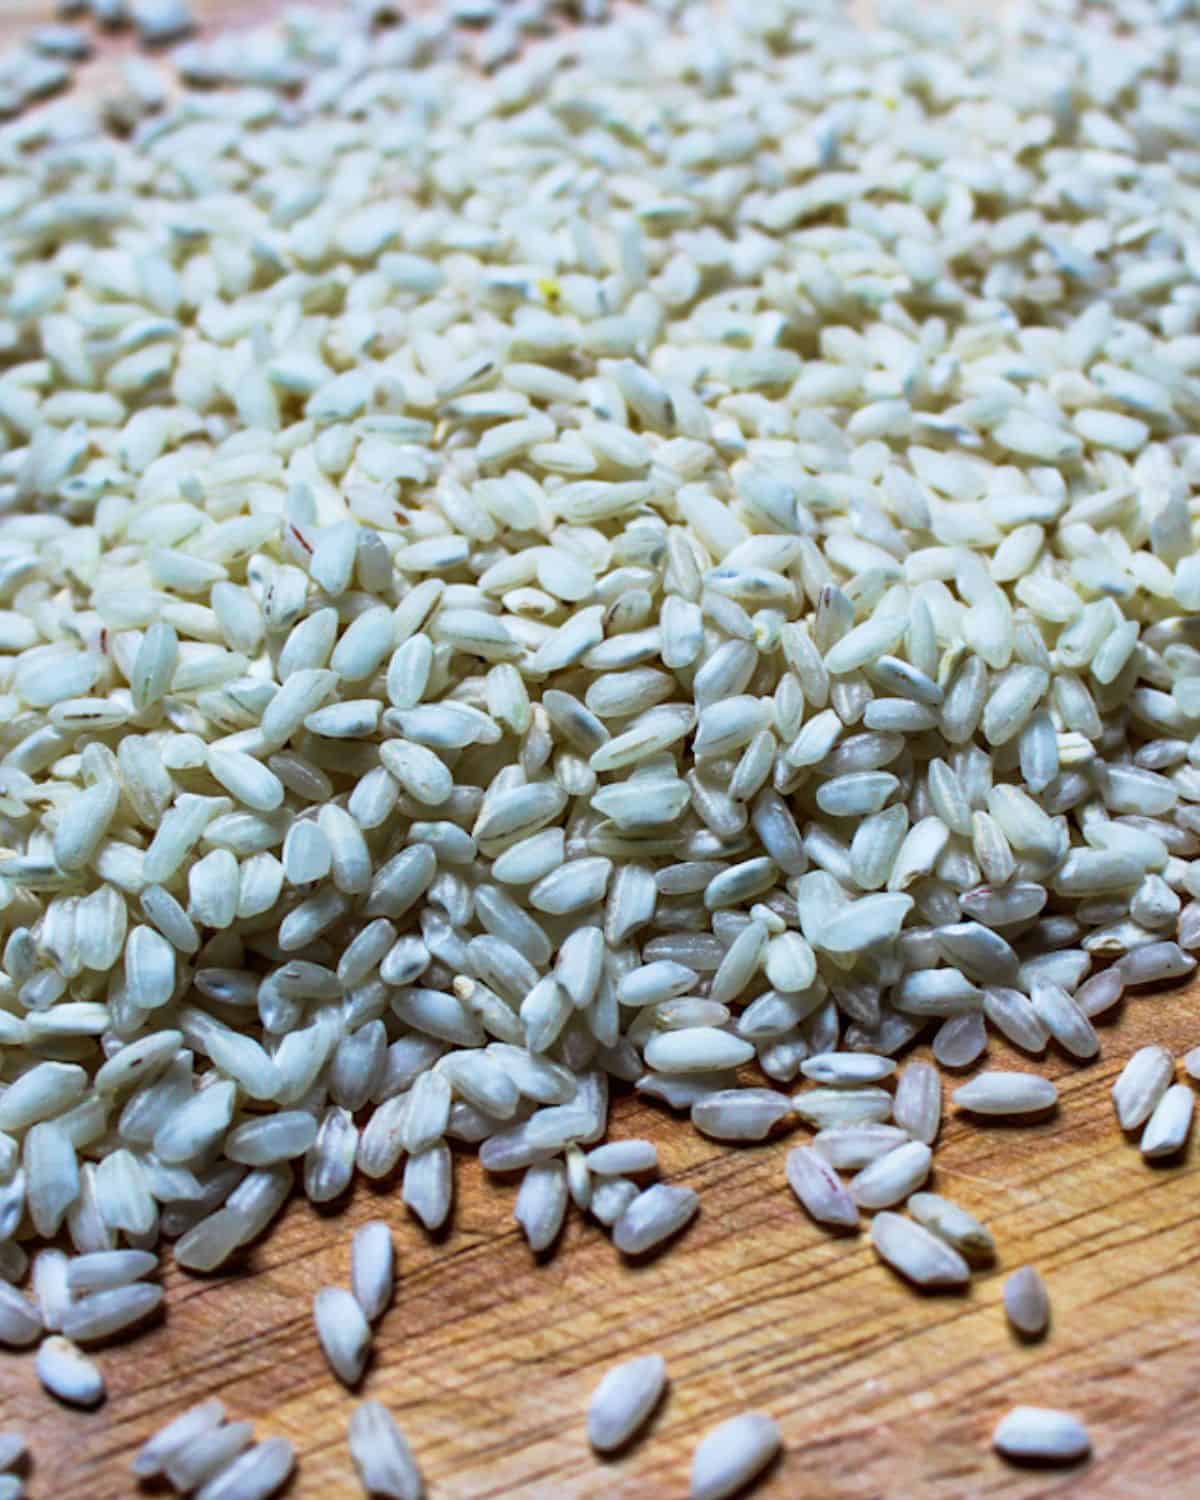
343, 1332
623, 1401
381, 1454
733, 1454
1036, 1434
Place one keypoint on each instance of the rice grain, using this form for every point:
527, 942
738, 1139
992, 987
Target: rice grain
381, 1454
1167, 1129
623, 1401
1027, 1302
653, 1217
733, 1454
1006, 1094
1143, 1081
922, 1257
1038, 1434
343, 1332
372, 1268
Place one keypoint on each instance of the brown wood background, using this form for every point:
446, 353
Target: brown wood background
488, 1358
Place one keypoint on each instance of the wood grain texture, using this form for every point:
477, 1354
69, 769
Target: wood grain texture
488, 1357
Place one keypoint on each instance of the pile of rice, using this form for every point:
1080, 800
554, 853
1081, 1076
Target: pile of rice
670, 562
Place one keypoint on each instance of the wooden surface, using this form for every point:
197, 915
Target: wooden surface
488, 1357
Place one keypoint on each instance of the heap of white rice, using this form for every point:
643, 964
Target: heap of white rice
676, 554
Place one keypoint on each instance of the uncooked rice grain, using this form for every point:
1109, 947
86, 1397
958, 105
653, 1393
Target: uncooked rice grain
381, 1454
1167, 1129
954, 1224
653, 1217
1006, 1094
1063, 1019
343, 1332
206, 1455
619, 1158
152, 1457
740, 1114
825, 1107
623, 1401
68, 1373
732, 1455
104, 1269
255, 1475
922, 1257
893, 1177
372, 1268
1037, 1434
1027, 1302
850, 1147
20, 1320
542, 1203
104, 1313
820, 1190
917, 1107
1142, 1083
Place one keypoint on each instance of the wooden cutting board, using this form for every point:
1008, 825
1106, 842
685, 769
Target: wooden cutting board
488, 1356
